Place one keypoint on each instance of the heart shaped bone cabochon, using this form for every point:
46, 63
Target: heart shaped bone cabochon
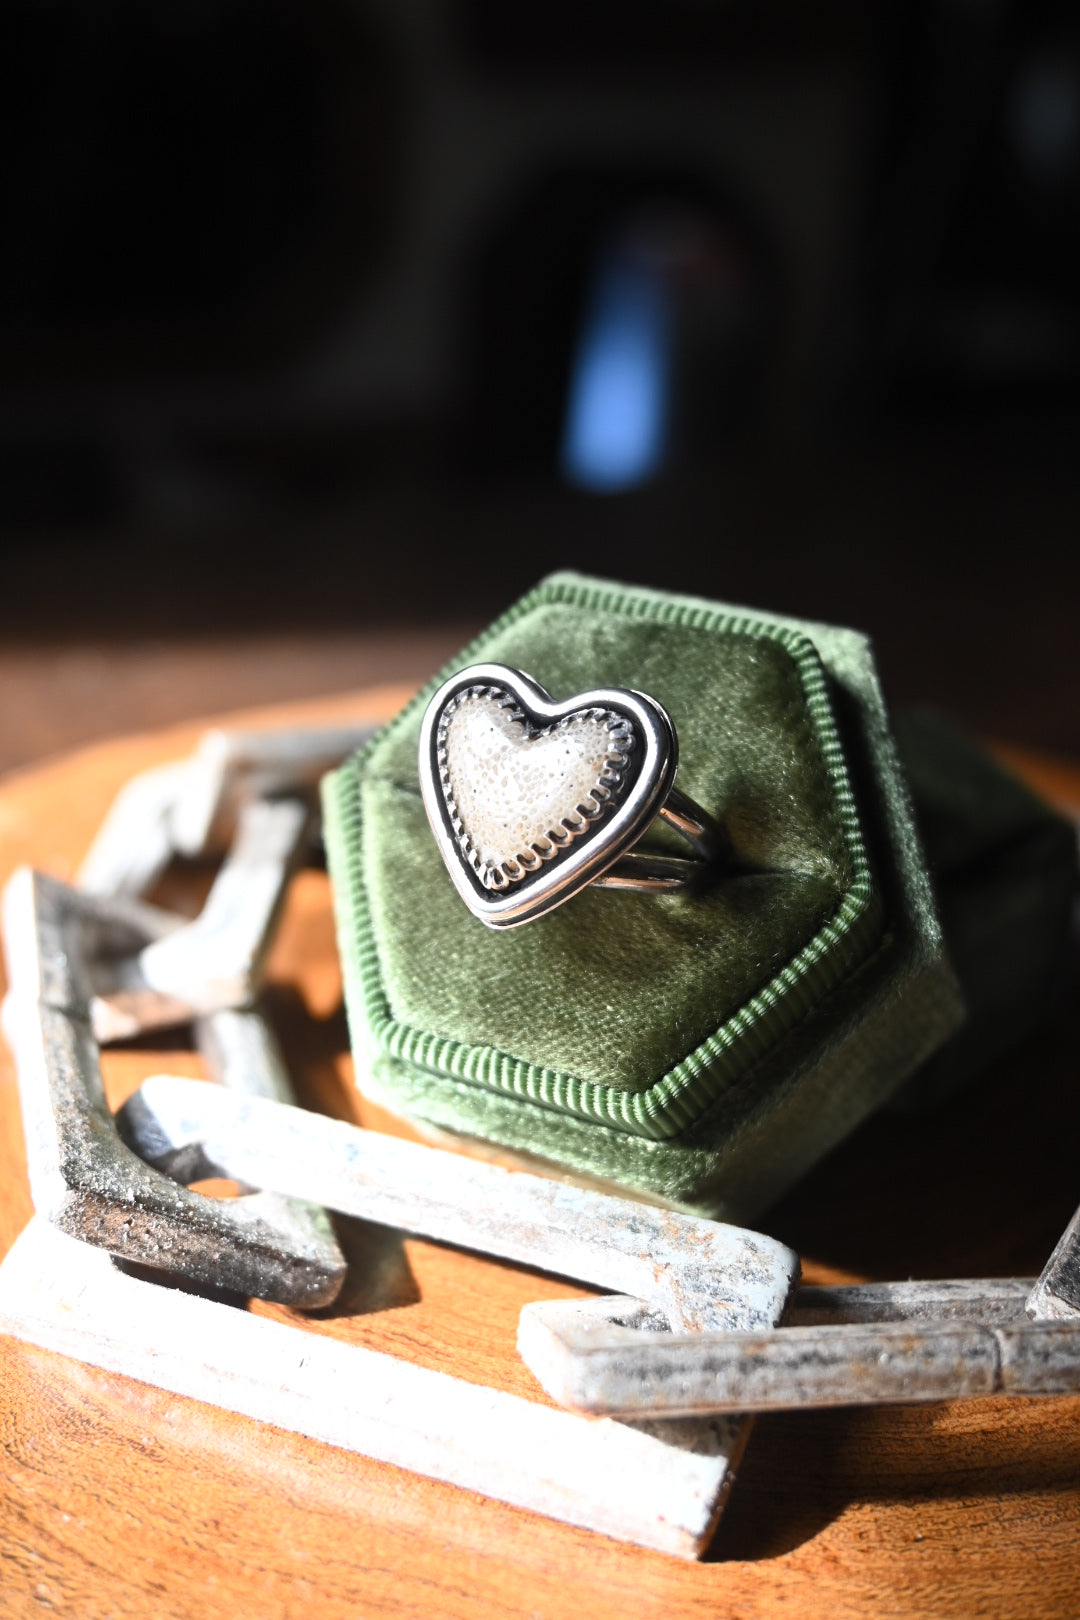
516, 793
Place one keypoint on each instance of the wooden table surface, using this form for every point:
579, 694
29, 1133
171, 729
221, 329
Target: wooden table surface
120, 1500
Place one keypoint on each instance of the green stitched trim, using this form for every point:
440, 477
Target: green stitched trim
678, 1100
340, 794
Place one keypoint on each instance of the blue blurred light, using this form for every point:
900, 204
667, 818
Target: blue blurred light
615, 436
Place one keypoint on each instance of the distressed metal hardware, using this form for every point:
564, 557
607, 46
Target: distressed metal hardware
191, 807
83, 1178
701, 1273
1056, 1295
595, 1358
214, 961
661, 1485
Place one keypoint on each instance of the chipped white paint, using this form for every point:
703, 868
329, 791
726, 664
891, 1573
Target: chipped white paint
659, 1486
215, 961
611, 1357
231, 769
135, 843
192, 806
702, 1274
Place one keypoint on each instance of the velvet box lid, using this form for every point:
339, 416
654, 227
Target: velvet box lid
702, 1048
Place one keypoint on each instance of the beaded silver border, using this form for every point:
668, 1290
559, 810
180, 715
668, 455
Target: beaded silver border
600, 799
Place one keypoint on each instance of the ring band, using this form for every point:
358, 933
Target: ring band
660, 874
530, 800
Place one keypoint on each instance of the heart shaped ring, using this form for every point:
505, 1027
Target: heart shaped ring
532, 800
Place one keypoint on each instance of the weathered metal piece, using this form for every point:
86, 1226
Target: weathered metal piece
241, 1052
1056, 1295
214, 961
700, 1273
235, 768
83, 1178
659, 1485
1039, 1358
988, 1300
594, 1357
192, 807
135, 842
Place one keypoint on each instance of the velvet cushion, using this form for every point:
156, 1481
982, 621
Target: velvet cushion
618, 1015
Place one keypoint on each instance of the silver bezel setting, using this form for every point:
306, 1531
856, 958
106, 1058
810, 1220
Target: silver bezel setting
645, 746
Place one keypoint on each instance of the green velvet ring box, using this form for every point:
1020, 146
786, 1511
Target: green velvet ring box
702, 1048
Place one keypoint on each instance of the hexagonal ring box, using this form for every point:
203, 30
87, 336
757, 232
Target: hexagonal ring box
702, 1048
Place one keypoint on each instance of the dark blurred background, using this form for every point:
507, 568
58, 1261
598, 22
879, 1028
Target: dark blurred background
327, 326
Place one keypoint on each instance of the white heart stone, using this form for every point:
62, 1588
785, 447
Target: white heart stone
516, 799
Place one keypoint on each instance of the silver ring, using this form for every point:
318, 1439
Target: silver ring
531, 800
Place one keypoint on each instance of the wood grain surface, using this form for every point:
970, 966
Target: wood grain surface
119, 1500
